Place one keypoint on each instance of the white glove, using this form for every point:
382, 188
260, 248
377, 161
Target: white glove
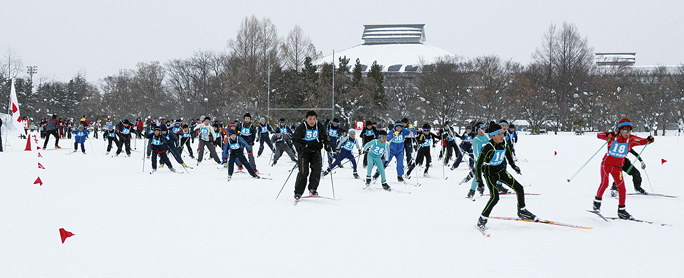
643, 165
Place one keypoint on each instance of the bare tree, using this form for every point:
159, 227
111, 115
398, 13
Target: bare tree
11, 64
296, 47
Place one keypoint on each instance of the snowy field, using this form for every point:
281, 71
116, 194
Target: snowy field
128, 223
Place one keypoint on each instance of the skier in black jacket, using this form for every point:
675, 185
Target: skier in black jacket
309, 138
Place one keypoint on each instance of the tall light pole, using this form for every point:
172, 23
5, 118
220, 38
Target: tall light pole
206, 102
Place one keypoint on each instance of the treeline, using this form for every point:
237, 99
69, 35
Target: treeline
561, 89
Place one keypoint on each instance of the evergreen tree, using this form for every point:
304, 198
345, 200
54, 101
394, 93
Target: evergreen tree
344, 65
357, 72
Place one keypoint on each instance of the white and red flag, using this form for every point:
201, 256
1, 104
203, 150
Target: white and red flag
14, 106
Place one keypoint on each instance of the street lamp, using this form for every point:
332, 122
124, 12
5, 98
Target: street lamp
206, 102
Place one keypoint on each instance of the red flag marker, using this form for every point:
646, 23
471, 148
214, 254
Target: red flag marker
38, 147
40, 166
555, 153
64, 234
662, 161
38, 181
39, 155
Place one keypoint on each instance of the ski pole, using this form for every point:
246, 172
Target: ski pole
638, 156
585, 163
332, 184
649, 180
143, 155
288, 178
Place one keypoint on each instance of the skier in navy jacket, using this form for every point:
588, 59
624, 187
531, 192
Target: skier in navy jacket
264, 129
233, 149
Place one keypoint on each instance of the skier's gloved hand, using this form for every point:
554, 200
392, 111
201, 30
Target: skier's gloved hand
385, 164
327, 148
250, 152
650, 139
517, 169
643, 165
611, 135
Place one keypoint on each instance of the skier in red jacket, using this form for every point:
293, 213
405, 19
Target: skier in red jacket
619, 144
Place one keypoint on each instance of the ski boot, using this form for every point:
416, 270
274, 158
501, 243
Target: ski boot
376, 175
523, 213
273, 164
480, 189
613, 191
107, 153
597, 205
502, 189
325, 173
356, 175
256, 176
298, 196
425, 174
400, 179
229, 177
481, 222
368, 180
313, 192
471, 194
623, 214
172, 169
640, 190
386, 186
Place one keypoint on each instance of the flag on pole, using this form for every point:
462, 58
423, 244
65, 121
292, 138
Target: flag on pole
16, 117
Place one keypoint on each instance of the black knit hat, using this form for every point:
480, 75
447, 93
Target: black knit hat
493, 127
426, 126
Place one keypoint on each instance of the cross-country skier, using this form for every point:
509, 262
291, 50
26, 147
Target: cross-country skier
448, 143
619, 144
158, 149
396, 139
309, 138
333, 133
206, 136
264, 129
111, 137
492, 164
248, 131
346, 145
466, 147
281, 145
234, 149
79, 138
52, 128
478, 143
368, 134
424, 141
124, 133
377, 150
408, 140
186, 137
170, 144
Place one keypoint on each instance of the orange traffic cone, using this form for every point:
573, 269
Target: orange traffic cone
28, 143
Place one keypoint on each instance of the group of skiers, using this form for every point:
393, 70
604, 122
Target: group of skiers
490, 148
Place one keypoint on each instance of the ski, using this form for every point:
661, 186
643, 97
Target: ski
513, 193
653, 194
640, 221
598, 214
389, 190
541, 221
483, 231
319, 197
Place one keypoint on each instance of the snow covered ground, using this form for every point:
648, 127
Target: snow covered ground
128, 223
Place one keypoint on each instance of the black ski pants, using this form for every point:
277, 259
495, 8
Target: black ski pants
308, 160
505, 178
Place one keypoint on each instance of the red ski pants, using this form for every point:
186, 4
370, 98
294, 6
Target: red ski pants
616, 172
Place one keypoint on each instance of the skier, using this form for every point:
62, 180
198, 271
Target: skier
478, 143
233, 149
248, 131
286, 132
158, 149
186, 137
509, 137
396, 150
125, 132
206, 136
424, 141
346, 145
368, 134
619, 144
377, 150
309, 138
177, 130
466, 147
333, 132
281, 146
408, 140
632, 171
492, 163
79, 138
448, 144
52, 128
111, 137
170, 145
264, 129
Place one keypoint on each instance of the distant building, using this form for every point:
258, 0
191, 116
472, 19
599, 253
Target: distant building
616, 59
398, 48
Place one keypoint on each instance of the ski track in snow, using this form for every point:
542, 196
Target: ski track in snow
128, 223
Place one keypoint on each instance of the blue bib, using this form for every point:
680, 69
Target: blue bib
399, 138
426, 143
111, 134
349, 145
204, 131
126, 131
264, 129
176, 129
498, 157
618, 150
378, 150
235, 146
468, 139
156, 142
80, 134
245, 131
332, 132
369, 132
283, 130
186, 134
311, 134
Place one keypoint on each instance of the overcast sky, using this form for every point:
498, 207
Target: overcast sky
99, 37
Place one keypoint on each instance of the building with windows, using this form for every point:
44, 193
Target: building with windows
398, 48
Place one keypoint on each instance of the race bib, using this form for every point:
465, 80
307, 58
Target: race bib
245, 131
426, 143
369, 132
398, 139
235, 146
468, 139
111, 134
377, 150
264, 129
204, 131
283, 130
349, 145
498, 157
311, 134
176, 129
126, 131
618, 150
156, 142
332, 132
